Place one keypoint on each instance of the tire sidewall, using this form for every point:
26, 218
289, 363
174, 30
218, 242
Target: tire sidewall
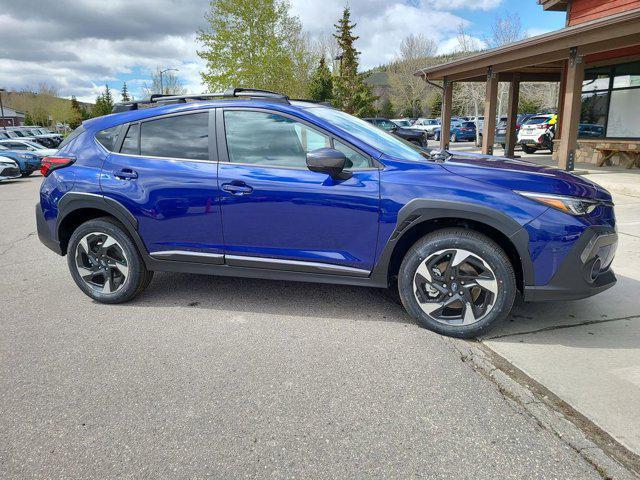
135, 264
478, 245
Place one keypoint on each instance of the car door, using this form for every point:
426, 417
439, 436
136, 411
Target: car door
277, 213
164, 173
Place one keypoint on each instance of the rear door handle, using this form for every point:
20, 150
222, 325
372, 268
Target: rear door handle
237, 188
126, 174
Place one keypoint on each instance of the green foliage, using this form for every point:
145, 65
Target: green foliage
321, 85
78, 113
255, 43
28, 120
350, 92
104, 103
386, 109
124, 94
529, 106
435, 107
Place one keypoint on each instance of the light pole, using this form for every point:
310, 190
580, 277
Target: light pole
4, 126
164, 71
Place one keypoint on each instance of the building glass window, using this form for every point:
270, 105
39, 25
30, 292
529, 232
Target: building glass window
611, 102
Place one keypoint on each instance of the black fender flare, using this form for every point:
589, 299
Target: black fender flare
421, 210
73, 201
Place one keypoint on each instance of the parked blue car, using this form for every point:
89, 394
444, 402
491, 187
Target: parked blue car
28, 162
252, 184
459, 132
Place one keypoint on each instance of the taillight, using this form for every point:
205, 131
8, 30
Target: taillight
49, 164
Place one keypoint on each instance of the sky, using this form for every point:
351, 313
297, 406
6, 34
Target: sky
78, 46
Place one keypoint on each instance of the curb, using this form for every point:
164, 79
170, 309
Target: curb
484, 359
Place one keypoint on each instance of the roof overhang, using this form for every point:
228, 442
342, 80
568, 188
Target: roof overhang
555, 5
543, 54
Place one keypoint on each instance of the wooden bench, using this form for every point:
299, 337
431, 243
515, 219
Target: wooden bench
630, 152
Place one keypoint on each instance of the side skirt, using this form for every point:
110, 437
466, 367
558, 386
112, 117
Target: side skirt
254, 267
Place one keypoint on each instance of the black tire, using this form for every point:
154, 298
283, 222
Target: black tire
137, 278
436, 137
504, 146
26, 174
528, 149
481, 247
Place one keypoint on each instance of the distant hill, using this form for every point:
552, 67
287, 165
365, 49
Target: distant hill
44, 108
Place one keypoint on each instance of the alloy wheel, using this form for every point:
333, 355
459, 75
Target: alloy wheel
101, 262
455, 287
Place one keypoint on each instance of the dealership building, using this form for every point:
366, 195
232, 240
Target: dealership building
596, 61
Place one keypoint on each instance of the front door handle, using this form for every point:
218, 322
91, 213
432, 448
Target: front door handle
237, 188
125, 174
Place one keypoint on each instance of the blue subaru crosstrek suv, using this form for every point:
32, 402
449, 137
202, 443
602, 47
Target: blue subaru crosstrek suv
250, 183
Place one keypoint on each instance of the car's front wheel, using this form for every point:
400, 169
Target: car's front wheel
105, 263
457, 282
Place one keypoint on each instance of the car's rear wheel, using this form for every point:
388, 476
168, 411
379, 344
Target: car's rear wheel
528, 149
105, 263
26, 174
457, 282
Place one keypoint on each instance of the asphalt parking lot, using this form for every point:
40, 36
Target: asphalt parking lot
235, 378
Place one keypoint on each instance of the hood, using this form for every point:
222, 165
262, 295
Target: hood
522, 175
408, 132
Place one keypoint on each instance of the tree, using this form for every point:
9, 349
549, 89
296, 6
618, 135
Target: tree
77, 110
435, 106
255, 43
104, 103
167, 83
528, 106
407, 90
386, 109
321, 85
350, 92
124, 94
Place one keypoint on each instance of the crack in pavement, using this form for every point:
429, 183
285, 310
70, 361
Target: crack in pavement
561, 327
15, 242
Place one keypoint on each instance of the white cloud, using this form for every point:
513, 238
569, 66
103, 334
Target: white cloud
466, 4
78, 45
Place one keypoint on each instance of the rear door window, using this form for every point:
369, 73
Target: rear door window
180, 136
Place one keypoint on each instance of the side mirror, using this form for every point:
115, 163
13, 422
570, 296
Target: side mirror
329, 161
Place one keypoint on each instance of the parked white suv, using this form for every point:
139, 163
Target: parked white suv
538, 133
428, 125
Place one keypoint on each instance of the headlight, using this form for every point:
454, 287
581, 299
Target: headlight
570, 205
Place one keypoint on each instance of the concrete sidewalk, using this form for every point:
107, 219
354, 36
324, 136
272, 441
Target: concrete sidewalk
587, 352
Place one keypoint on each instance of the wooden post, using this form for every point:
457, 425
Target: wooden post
512, 116
445, 120
490, 101
571, 107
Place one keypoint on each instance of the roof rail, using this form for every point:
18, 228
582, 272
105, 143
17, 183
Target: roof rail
325, 103
159, 98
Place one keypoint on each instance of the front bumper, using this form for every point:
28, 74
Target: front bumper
585, 271
7, 173
44, 234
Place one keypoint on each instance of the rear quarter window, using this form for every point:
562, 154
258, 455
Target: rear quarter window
71, 137
108, 137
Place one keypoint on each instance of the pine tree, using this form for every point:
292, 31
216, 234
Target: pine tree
321, 85
435, 108
350, 92
108, 99
77, 113
386, 109
104, 103
124, 94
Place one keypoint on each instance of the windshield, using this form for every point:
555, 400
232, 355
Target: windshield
377, 138
402, 123
537, 120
